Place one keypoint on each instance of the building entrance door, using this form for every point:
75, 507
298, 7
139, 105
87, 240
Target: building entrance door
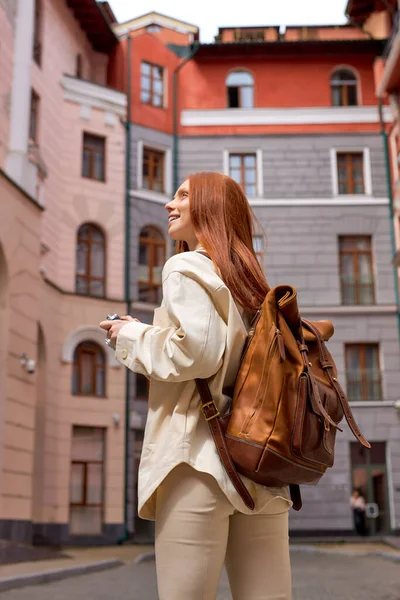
369, 475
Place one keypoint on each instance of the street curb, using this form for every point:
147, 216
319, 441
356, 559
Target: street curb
146, 557
18, 581
313, 550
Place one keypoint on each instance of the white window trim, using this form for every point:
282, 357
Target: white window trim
87, 333
366, 169
259, 164
167, 168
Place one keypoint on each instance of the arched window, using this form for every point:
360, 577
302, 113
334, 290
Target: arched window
152, 249
240, 89
88, 370
344, 88
90, 261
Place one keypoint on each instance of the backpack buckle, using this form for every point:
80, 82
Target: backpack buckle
206, 406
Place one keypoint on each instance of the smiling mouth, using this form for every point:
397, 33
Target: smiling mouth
173, 218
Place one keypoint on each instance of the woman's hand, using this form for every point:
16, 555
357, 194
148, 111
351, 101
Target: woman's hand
114, 327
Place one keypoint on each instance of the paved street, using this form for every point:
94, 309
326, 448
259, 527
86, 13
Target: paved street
316, 577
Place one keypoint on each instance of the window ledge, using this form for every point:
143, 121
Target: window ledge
157, 197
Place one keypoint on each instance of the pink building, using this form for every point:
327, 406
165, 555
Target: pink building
62, 188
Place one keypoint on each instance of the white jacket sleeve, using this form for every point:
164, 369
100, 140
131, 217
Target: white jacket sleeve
193, 346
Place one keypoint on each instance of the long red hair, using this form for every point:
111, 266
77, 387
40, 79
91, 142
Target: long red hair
224, 225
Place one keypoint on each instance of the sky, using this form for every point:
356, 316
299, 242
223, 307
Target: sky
208, 15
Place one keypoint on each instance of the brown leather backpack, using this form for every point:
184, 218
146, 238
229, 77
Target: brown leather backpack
287, 402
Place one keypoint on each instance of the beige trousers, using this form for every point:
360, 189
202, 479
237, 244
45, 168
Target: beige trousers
197, 530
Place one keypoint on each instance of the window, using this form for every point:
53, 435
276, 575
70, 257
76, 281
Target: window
89, 370
363, 372
152, 84
356, 275
350, 172
153, 170
344, 88
142, 387
240, 88
90, 261
93, 159
78, 66
243, 169
37, 33
87, 481
152, 250
34, 116
258, 245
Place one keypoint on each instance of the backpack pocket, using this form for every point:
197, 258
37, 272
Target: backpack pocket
313, 438
268, 384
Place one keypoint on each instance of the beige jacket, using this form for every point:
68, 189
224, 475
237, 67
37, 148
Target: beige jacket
197, 332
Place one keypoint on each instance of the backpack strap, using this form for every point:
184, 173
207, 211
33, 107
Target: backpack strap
211, 415
327, 365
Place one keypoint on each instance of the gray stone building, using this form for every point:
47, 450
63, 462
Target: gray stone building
320, 194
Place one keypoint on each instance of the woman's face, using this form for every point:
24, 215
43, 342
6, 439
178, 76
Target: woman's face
180, 227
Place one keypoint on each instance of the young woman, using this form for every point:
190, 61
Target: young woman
199, 332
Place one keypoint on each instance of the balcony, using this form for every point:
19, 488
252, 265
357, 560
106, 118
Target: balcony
364, 385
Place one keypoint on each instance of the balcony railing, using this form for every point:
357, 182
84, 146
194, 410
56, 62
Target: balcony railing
390, 42
364, 385
358, 293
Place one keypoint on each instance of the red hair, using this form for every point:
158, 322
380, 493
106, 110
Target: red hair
223, 223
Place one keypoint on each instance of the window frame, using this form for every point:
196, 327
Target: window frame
243, 169
152, 244
355, 253
153, 152
367, 173
90, 243
152, 79
85, 464
240, 90
92, 150
362, 370
34, 111
88, 347
344, 87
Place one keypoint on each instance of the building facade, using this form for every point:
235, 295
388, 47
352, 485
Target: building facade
294, 118
62, 180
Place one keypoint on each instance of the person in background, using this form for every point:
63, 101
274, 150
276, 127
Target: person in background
357, 503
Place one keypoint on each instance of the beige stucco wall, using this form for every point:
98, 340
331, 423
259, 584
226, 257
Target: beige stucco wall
39, 311
20, 295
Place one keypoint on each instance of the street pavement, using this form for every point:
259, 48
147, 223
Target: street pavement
316, 576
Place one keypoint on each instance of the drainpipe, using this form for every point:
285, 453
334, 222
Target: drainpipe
127, 281
391, 212
175, 146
